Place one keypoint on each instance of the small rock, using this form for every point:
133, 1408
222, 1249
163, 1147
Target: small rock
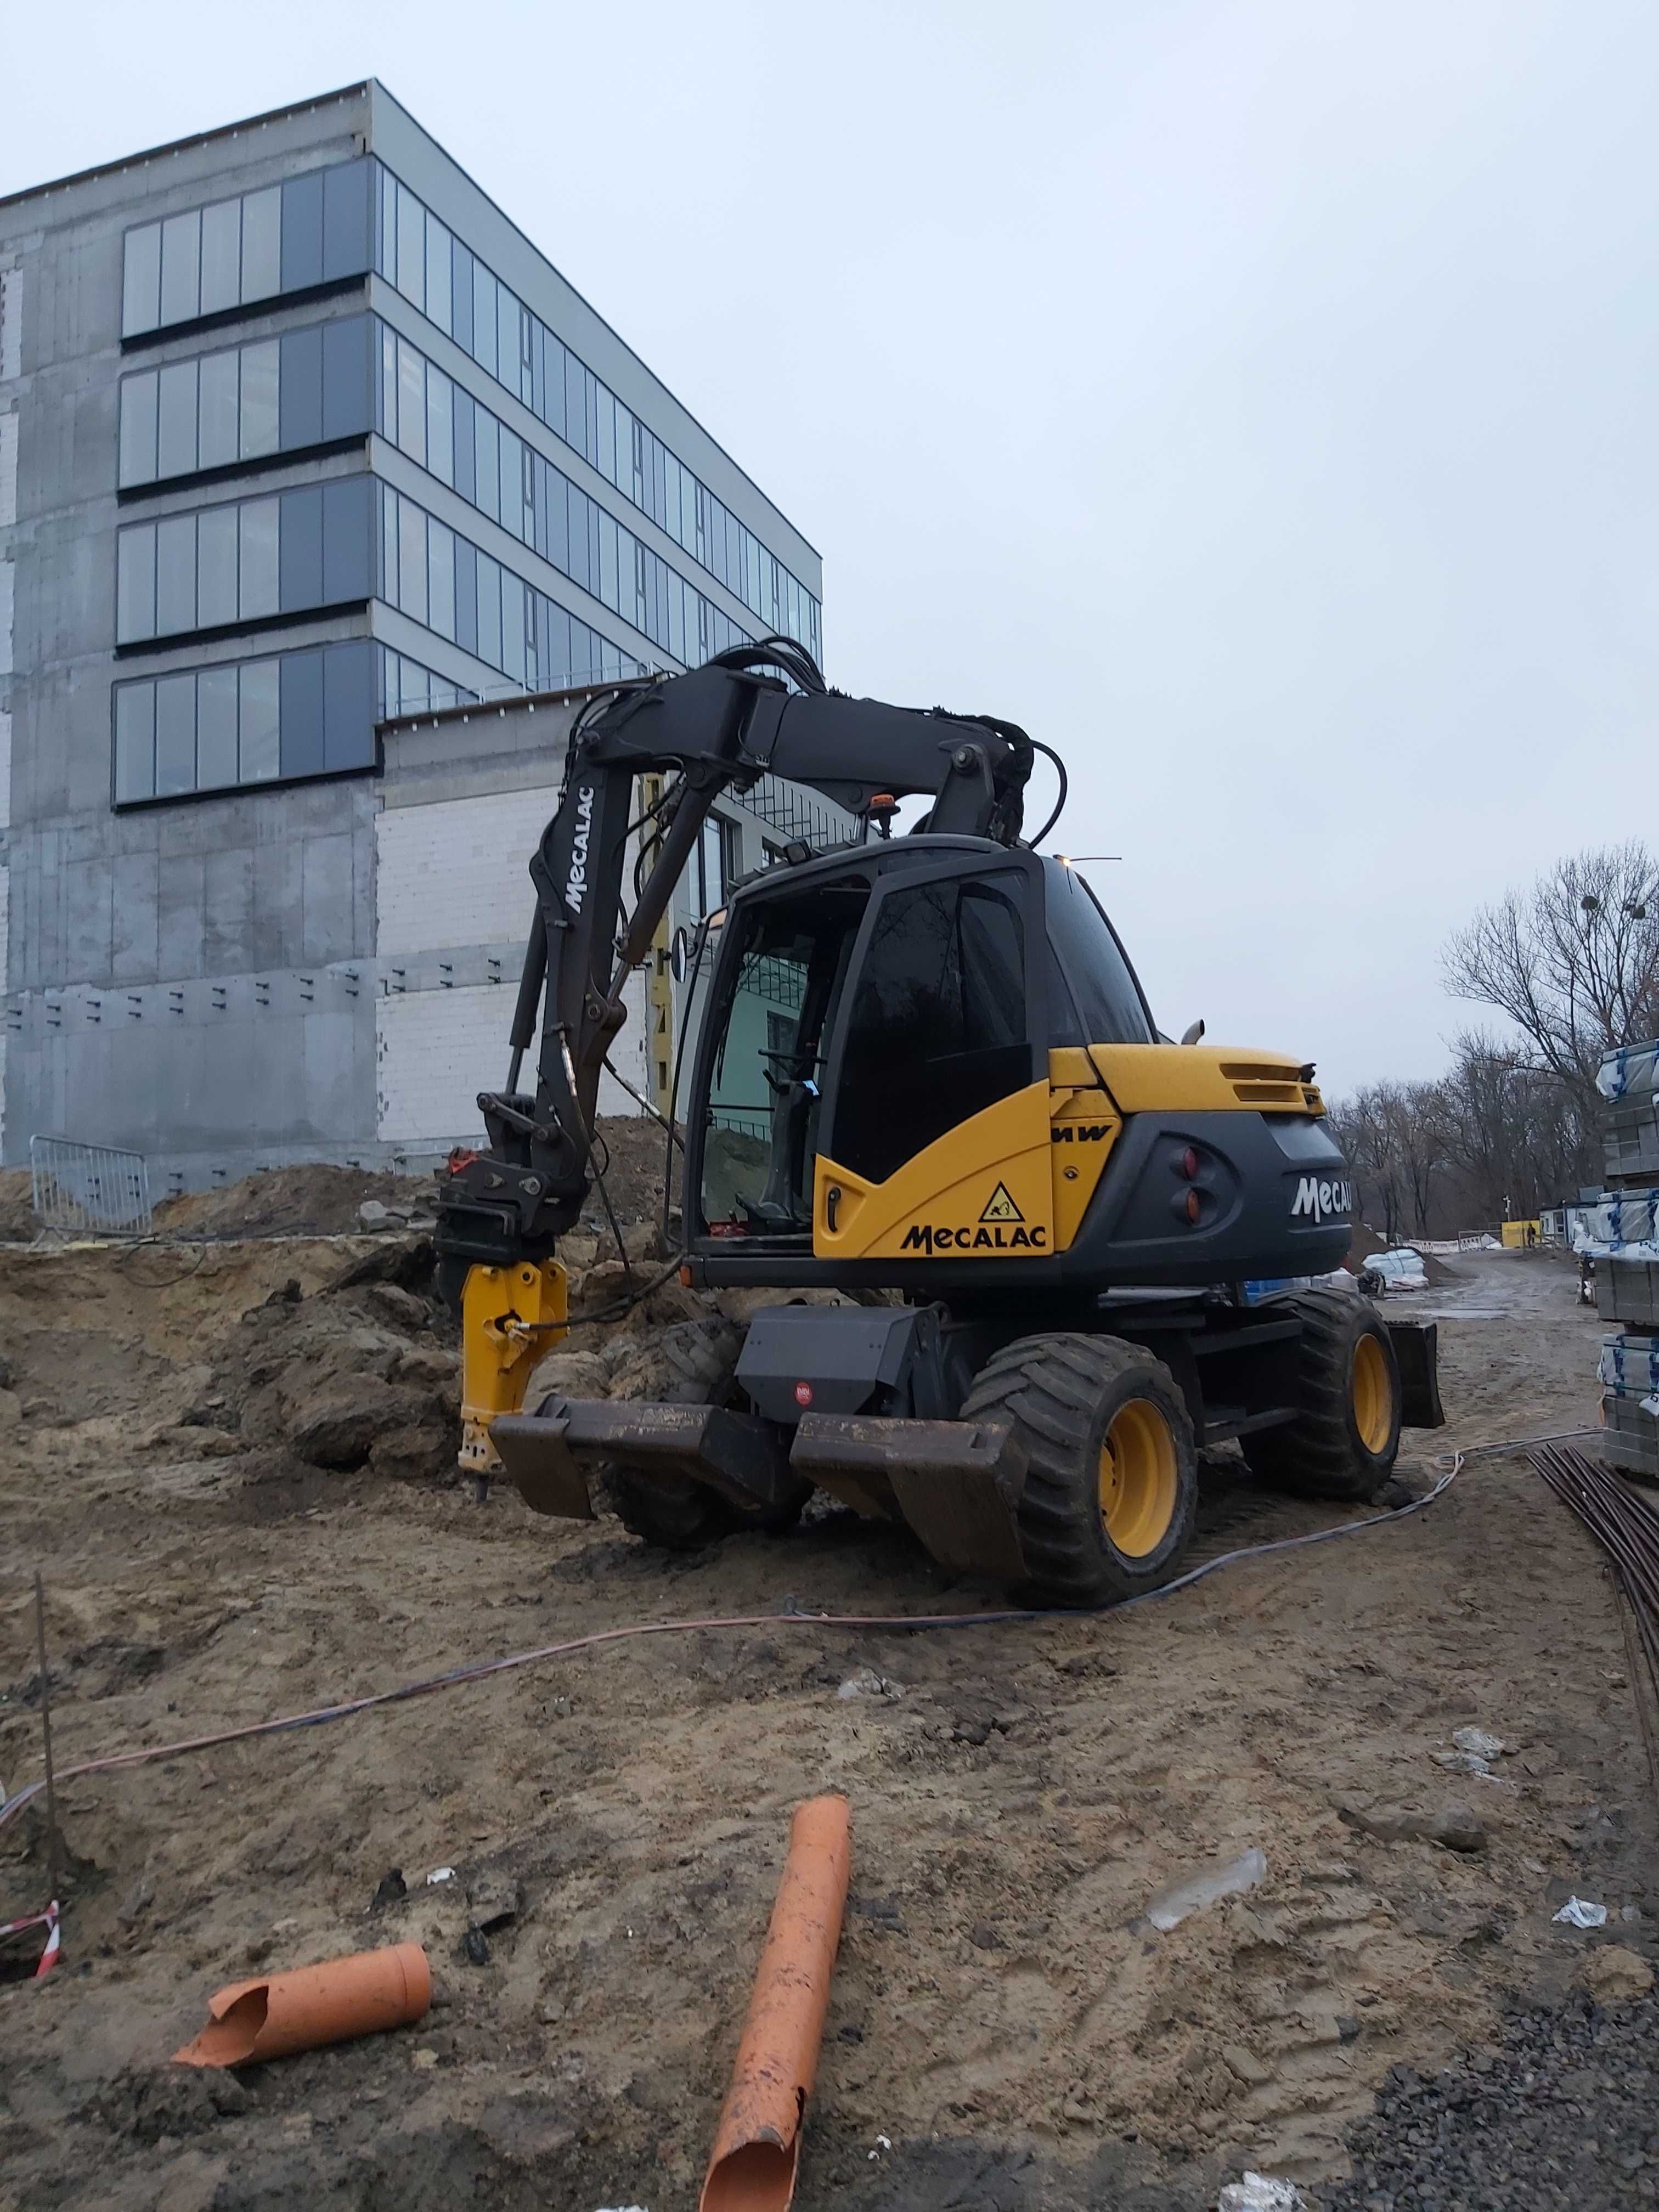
372, 1215
1347, 2028
393, 1887
1479, 1743
1457, 1830
475, 1948
1613, 1975
1244, 2066
494, 1899
424, 2059
984, 1937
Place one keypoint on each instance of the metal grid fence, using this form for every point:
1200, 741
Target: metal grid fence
89, 1189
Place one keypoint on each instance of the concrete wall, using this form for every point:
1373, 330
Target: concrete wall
184, 969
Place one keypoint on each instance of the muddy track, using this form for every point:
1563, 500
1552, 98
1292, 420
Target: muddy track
1002, 2015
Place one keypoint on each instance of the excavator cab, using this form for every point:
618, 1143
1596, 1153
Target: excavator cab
866, 1004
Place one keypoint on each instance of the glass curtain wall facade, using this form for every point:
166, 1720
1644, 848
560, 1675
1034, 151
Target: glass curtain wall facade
239, 407
454, 289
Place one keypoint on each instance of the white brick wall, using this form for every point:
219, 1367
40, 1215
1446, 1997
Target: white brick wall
437, 1049
454, 872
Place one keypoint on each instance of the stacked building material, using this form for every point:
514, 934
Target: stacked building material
1621, 1229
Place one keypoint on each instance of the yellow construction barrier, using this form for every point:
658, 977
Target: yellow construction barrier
1521, 1236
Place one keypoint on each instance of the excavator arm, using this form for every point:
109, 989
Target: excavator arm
719, 728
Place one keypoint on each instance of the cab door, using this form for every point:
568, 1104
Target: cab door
935, 1137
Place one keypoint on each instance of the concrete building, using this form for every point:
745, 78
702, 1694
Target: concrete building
303, 445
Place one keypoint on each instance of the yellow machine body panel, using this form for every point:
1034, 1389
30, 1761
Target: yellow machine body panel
983, 1191
1191, 1079
1083, 1126
1017, 1177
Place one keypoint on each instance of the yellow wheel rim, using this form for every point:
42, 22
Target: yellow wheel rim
1137, 1478
1370, 1394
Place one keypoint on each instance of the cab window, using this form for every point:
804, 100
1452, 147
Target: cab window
937, 1029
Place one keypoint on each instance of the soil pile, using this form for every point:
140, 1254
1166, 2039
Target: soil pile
311, 1200
17, 1222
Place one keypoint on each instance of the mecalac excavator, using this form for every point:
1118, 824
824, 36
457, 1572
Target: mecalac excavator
1072, 1252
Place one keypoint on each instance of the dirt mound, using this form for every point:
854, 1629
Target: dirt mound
362, 1373
319, 1200
17, 1222
312, 1201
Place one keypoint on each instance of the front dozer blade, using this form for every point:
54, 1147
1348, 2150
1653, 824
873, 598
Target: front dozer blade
550, 1454
1417, 1355
956, 1483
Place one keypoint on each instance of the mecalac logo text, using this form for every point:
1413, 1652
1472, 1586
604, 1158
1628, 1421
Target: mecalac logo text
575, 887
1000, 1235
1319, 1201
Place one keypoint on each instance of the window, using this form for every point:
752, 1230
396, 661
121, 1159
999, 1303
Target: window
246, 560
761, 1134
251, 722
216, 545
218, 441
138, 397
221, 256
938, 1027
259, 723
261, 379
257, 533
210, 260
717, 849
1097, 988
243, 403
176, 442
465, 298
181, 267
262, 244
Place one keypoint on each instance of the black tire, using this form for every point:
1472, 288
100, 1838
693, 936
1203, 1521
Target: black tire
1342, 1443
1064, 1394
692, 1364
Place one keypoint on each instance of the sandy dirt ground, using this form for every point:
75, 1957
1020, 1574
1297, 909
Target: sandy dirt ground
1005, 2028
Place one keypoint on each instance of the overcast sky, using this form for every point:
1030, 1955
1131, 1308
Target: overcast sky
1254, 400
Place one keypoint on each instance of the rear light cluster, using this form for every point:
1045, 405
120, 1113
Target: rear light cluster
1188, 1203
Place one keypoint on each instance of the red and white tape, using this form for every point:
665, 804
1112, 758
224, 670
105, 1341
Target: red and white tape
50, 1921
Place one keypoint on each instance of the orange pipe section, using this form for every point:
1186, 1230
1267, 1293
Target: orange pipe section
756, 2148
280, 2013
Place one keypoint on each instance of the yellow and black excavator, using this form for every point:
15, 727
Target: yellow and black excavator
925, 1067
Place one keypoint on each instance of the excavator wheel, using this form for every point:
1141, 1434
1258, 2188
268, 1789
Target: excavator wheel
693, 1363
1112, 1484
1343, 1441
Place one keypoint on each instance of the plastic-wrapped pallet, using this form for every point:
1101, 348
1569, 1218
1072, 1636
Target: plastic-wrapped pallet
1629, 1071
1631, 1364
1629, 1080
1616, 1220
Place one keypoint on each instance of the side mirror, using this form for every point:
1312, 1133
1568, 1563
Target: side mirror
1192, 1035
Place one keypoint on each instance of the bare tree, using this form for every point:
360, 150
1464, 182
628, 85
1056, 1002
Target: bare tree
1393, 1137
1573, 962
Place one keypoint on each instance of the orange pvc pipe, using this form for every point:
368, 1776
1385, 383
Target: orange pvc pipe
756, 2148
280, 2013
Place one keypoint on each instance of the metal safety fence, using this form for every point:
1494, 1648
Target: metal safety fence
94, 1190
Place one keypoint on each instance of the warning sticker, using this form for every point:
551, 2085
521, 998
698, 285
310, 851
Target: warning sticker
1001, 1206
